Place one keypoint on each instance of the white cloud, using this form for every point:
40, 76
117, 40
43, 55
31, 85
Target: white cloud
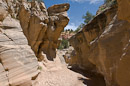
71, 26
90, 1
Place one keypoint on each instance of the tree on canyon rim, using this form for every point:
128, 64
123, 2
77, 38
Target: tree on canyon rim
107, 1
87, 17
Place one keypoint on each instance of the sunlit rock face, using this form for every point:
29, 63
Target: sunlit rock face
42, 27
22, 24
104, 45
18, 63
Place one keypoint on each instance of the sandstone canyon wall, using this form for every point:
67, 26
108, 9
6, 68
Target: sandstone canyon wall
18, 63
103, 45
22, 24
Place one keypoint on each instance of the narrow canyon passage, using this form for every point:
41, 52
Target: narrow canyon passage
37, 50
50, 73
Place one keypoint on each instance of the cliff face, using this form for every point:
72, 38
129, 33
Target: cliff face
103, 46
23, 23
18, 63
42, 27
84, 39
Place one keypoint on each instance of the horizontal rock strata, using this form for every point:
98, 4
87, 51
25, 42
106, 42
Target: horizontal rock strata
18, 63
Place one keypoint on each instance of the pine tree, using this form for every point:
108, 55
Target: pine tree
107, 1
88, 17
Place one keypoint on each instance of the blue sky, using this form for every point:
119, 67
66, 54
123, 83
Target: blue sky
78, 8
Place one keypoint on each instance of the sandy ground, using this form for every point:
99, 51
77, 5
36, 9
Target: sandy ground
56, 73
60, 77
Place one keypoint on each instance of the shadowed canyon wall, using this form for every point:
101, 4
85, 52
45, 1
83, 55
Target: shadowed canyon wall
103, 45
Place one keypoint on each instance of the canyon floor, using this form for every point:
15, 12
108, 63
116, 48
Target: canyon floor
56, 73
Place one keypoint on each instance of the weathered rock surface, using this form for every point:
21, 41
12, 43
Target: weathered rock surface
3, 14
42, 27
83, 40
18, 63
103, 46
17, 58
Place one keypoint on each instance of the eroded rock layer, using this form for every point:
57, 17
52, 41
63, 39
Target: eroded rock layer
18, 63
17, 60
42, 26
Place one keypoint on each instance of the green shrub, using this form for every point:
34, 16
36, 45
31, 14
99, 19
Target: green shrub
39, 68
64, 44
88, 17
109, 3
